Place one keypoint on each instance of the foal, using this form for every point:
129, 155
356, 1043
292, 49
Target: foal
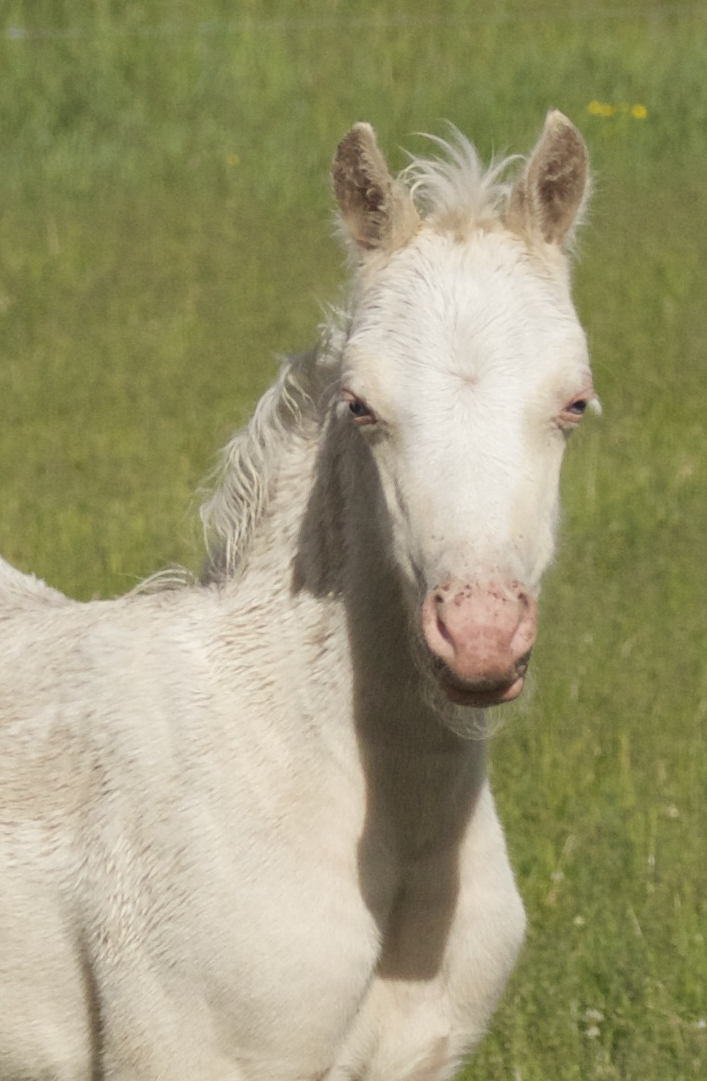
245, 829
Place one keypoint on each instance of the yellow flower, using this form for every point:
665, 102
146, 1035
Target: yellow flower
605, 108
232, 159
600, 108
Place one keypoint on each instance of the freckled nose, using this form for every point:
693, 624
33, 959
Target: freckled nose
483, 634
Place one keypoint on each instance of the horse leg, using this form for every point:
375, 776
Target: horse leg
452, 942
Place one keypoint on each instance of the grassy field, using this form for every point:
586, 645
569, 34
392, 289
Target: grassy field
165, 230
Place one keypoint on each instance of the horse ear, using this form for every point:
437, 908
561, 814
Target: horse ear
550, 196
377, 210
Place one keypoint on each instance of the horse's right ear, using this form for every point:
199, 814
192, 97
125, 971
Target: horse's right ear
377, 210
548, 200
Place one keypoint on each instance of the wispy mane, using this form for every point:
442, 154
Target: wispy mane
245, 475
457, 191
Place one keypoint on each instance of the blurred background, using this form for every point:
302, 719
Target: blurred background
166, 232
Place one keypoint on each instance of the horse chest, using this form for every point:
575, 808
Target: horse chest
300, 953
308, 933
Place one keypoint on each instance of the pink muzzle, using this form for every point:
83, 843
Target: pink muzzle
480, 638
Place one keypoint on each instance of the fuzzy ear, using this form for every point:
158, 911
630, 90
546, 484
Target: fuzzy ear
377, 210
549, 197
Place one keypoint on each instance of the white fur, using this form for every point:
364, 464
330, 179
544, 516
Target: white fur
240, 838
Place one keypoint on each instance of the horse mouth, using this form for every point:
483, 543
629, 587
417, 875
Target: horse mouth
484, 692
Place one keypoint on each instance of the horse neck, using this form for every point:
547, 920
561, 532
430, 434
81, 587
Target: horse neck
276, 535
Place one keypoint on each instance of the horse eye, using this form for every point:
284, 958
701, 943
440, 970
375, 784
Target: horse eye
573, 412
359, 410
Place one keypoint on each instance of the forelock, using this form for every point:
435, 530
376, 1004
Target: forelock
455, 191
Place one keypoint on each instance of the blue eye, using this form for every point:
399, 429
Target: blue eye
575, 409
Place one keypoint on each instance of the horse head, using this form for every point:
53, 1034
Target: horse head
464, 370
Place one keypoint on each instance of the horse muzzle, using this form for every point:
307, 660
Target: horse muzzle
480, 639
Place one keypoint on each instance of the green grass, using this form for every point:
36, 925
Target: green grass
165, 230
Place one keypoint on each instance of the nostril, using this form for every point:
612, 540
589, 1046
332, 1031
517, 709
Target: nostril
521, 665
444, 632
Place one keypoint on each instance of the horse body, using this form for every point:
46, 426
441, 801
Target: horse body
245, 833
147, 878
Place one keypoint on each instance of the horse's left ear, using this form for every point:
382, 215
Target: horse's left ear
377, 210
549, 198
